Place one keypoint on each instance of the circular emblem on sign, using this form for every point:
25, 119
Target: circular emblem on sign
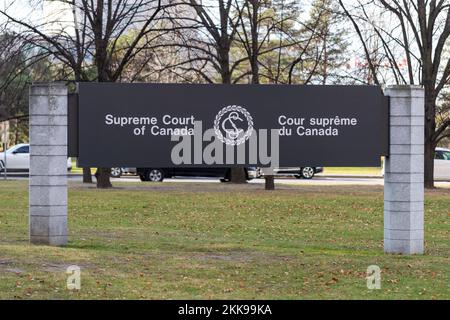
233, 125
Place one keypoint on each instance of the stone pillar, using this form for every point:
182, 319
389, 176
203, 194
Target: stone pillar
404, 172
48, 164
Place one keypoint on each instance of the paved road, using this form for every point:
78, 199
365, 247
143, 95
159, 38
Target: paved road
318, 180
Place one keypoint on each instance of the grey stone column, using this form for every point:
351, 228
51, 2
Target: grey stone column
404, 172
48, 164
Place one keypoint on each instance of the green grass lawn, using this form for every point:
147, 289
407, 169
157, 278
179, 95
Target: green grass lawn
180, 240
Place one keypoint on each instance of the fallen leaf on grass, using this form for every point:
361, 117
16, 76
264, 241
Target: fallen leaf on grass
332, 281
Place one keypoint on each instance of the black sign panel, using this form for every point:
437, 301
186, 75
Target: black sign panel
144, 125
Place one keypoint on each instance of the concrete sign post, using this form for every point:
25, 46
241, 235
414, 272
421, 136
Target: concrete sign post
48, 164
404, 172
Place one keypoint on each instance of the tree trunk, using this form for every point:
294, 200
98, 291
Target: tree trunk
429, 166
269, 182
102, 175
103, 178
430, 144
238, 175
223, 53
16, 134
87, 176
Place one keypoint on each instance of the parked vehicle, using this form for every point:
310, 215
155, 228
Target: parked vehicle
159, 174
298, 172
18, 158
117, 172
442, 164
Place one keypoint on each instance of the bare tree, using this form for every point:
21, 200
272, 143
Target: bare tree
218, 25
13, 81
274, 37
251, 40
252, 36
167, 57
419, 30
88, 42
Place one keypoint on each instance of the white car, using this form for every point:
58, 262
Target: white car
18, 158
442, 164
